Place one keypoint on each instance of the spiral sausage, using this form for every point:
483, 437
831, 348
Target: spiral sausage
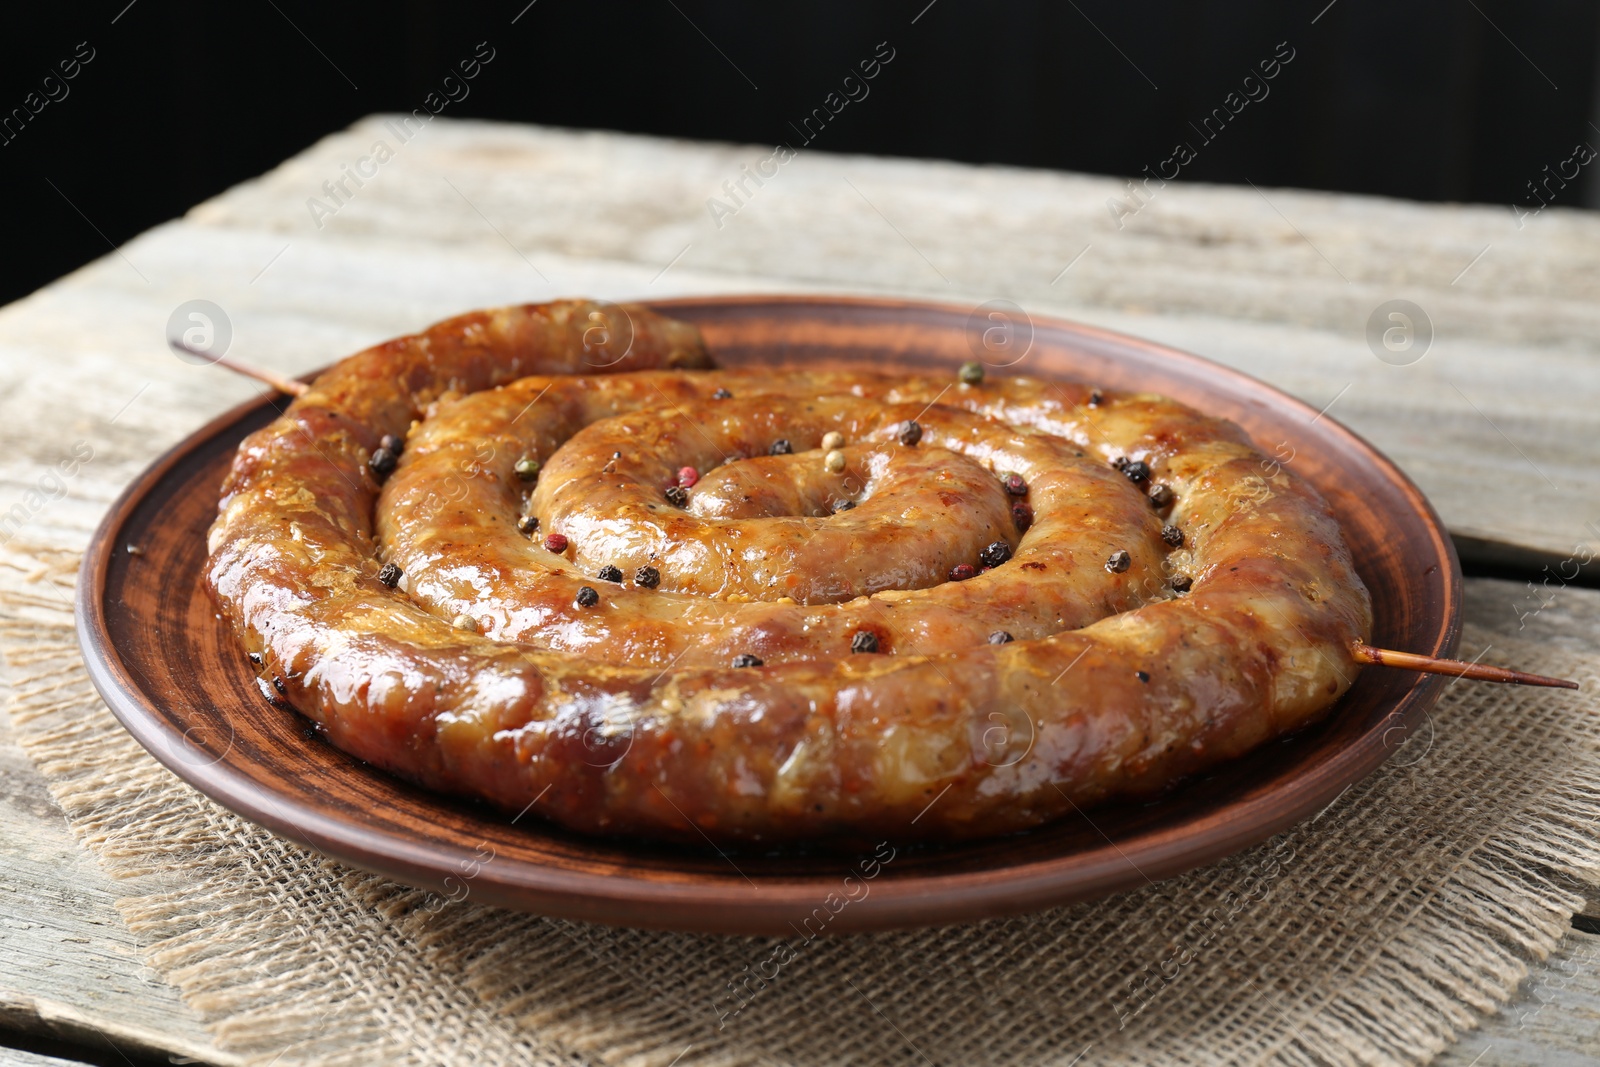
998, 601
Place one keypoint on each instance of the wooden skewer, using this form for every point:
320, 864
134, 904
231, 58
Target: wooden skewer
260, 374
1482, 672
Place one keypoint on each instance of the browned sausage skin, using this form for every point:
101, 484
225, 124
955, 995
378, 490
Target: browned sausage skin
627, 716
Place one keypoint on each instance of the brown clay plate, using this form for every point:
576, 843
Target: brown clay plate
174, 677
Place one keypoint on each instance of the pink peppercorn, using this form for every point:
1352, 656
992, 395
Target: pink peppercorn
556, 543
962, 571
687, 476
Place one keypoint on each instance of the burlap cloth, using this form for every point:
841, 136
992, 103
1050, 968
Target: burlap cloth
1372, 933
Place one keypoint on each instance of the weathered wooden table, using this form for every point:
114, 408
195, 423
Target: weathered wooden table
1486, 397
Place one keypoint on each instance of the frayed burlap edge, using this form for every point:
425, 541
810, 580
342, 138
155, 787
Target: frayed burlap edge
257, 934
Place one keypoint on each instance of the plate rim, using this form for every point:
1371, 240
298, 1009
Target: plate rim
918, 900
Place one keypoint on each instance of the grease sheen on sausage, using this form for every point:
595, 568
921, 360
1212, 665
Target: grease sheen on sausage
627, 716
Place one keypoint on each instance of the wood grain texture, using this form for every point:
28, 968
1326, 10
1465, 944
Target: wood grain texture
1213, 270
1553, 1022
69, 968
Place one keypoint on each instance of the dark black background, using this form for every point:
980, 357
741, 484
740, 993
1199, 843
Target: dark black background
1430, 99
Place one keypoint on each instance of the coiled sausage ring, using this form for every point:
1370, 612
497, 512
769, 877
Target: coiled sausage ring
546, 556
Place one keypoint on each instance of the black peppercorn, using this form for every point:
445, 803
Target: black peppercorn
277, 683
846, 506
745, 659
781, 447
1000, 637
995, 553
677, 496
1172, 535
1143, 676
389, 575
864, 641
910, 432
255, 657
1182, 583
382, 462
1138, 471
1096, 398
587, 597
1119, 561
971, 372
392, 444
722, 394
647, 577
528, 524
1161, 496
609, 573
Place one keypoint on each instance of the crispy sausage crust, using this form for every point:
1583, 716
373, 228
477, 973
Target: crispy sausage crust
626, 716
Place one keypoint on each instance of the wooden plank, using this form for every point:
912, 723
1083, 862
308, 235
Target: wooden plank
1279, 284
15, 1057
69, 967
1553, 1022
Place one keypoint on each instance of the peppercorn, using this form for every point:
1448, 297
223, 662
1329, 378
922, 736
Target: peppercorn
647, 577
587, 597
1172, 535
687, 476
391, 444
556, 543
1119, 561
527, 524
1161, 496
910, 432
781, 447
745, 659
962, 571
677, 496
1096, 398
722, 394
834, 461
995, 553
609, 573
465, 622
971, 372
864, 641
389, 575
527, 468
832, 439
1000, 637
1138, 471
277, 683
255, 657
1015, 484
846, 506
1022, 515
382, 462
1143, 676
1182, 583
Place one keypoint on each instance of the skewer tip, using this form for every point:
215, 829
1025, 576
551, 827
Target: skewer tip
1482, 672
